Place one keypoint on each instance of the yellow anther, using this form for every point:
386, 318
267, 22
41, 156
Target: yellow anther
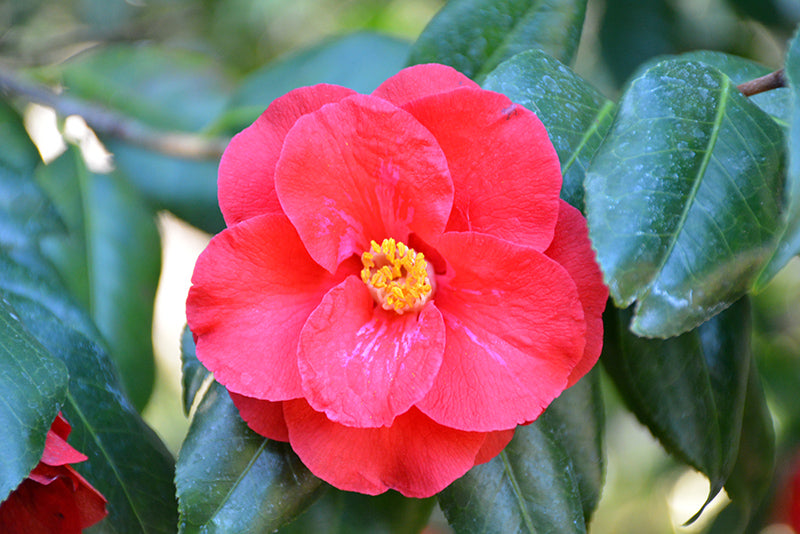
398, 277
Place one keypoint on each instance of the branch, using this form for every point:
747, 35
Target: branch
108, 123
773, 80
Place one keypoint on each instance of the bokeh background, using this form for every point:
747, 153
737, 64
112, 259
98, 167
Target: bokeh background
646, 491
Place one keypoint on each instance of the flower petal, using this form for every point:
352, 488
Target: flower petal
515, 329
572, 250
56, 449
253, 288
363, 365
414, 456
421, 80
246, 171
263, 417
505, 170
361, 170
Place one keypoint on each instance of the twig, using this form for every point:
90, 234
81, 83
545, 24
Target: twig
105, 122
773, 80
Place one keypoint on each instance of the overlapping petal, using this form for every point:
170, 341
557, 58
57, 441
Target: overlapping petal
360, 170
419, 81
505, 171
246, 182
572, 250
515, 330
54, 497
262, 416
363, 365
371, 399
252, 290
415, 456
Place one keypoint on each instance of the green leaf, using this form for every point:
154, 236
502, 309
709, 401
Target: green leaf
752, 473
343, 512
186, 187
689, 390
683, 197
110, 260
34, 385
776, 103
789, 243
575, 115
475, 36
631, 31
360, 61
577, 421
193, 373
25, 211
530, 487
127, 462
230, 479
166, 88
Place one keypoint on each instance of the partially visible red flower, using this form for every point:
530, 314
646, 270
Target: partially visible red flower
787, 499
54, 499
399, 285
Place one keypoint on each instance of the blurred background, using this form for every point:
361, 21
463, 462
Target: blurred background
235, 55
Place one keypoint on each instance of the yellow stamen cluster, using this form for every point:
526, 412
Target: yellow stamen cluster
397, 276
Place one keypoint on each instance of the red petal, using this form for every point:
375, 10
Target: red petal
253, 289
419, 81
494, 444
361, 170
90, 503
504, 168
56, 449
246, 171
572, 249
263, 417
515, 329
363, 365
415, 456
33, 508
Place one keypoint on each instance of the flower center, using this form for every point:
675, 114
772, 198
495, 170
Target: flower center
398, 277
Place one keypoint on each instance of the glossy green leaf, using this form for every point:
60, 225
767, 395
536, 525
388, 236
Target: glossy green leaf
789, 243
529, 488
577, 421
683, 197
127, 462
230, 479
193, 374
34, 384
575, 115
752, 473
166, 88
475, 36
360, 61
343, 512
110, 260
777, 102
688, 390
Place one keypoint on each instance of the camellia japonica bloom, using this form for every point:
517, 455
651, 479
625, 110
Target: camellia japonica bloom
399, 285
54, 499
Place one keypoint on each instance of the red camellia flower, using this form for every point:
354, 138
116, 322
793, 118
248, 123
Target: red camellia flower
399, 285
54, 499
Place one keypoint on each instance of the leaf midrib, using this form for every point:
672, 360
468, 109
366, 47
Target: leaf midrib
718, 118
526, 518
